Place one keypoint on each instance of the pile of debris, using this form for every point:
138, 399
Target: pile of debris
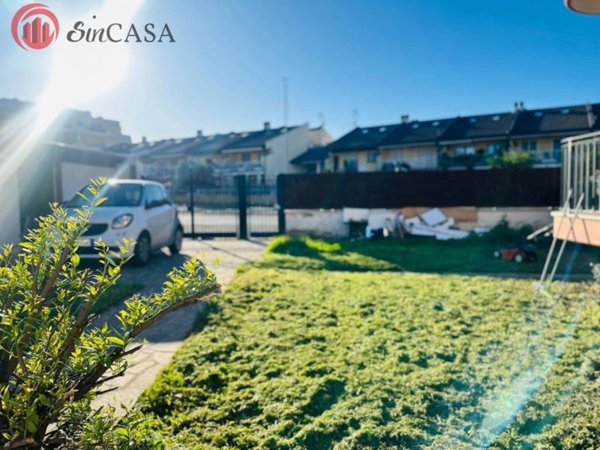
384, 223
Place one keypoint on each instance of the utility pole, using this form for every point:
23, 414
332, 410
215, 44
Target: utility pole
285, 119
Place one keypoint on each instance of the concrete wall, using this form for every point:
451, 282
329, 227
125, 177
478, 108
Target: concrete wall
319, 223
75, 176
330, 224
10, 213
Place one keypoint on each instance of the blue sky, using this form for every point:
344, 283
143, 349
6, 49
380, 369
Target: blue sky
383, 58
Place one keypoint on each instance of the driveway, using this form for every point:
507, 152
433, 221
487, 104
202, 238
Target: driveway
223, 256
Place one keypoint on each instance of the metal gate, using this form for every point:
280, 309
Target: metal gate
240, 208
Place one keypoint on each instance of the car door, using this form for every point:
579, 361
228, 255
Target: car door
170, 215
156, 213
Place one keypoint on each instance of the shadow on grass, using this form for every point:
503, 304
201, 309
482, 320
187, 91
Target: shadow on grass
474, 255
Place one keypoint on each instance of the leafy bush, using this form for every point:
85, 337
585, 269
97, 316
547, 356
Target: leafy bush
513, 158
502, 232
52, 361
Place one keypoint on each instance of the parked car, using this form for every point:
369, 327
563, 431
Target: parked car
138, 210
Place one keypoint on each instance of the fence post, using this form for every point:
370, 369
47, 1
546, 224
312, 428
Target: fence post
240, 181
192, 209
280, 205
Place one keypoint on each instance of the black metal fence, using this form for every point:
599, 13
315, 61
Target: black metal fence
238, 209
527, 187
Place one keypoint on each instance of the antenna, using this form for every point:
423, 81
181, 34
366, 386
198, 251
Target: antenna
322, 120
285, 119
354, 118
285, 102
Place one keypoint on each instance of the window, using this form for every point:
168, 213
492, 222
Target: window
494, 149
557, 145
372, 157
246, 157
539, 114
529, 146
350, 165
463, 151
473, 119
154, 196
557, 150
496, 118
118, 195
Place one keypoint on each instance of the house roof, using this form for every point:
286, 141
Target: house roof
361, 138
563, 120
472, 128
417, 132
203, 145
312, 155
255, 139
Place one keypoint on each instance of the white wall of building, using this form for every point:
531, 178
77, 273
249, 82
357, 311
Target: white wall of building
283, 148
10, 213
76, 176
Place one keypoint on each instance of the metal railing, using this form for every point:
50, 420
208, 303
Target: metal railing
580, 172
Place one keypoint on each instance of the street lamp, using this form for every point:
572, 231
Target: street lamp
584, 6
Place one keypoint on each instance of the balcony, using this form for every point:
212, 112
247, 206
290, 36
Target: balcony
578, 220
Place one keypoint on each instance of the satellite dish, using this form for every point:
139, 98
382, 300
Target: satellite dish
584, 6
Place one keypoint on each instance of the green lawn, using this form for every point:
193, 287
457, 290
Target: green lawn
473, 255
294, 359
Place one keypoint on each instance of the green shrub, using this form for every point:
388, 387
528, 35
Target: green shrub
52, 362
301, 246
511, 159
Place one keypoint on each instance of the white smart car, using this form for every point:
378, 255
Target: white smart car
138, 210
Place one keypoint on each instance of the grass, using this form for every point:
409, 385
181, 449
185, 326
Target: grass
294, 359
114, 296
472, 255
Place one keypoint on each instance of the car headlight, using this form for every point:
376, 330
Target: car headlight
123, 221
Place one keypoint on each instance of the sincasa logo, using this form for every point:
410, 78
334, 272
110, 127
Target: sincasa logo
35, 27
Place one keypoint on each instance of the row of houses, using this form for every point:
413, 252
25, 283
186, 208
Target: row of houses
259, 154
458, 142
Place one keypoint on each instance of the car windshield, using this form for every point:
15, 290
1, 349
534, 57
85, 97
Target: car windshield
117, 195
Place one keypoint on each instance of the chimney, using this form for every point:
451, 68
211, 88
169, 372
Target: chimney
516, 107
267, 126
144, 140
590, 115
199, 133
521, 106
405, 118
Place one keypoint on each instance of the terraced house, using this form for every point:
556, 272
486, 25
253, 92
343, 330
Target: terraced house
460, 142
260, 154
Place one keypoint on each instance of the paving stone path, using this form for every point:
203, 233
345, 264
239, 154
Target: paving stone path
223, 256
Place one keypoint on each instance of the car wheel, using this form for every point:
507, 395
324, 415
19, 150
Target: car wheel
141, 253
519, 258
175, 247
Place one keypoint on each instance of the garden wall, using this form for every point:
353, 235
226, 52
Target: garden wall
330, 223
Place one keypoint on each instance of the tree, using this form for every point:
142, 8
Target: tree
511, 159
53, 362
194, 174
